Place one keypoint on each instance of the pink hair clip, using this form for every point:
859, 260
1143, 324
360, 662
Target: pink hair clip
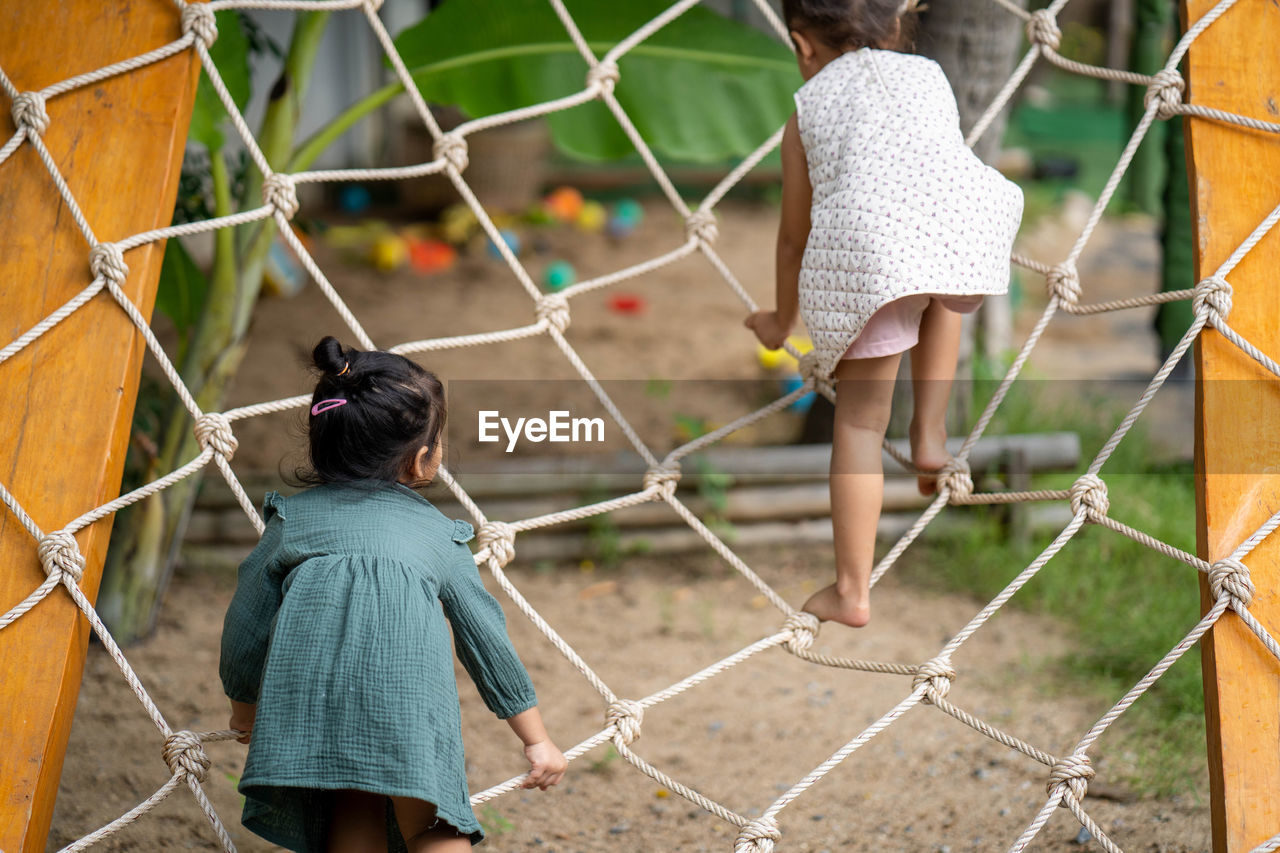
326, 405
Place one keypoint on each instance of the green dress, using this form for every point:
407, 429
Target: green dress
338, 632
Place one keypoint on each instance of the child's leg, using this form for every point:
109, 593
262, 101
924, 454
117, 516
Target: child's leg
359, 823
933, 368
864, 392
417, 821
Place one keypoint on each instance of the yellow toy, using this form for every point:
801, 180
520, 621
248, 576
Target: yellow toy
774, 359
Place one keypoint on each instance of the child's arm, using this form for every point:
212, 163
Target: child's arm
483, 646
773, 327
547, 763
246, 630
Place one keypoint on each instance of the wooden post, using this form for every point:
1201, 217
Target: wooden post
1234, 65
67, 399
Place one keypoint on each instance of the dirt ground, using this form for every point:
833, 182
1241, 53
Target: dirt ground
928, 783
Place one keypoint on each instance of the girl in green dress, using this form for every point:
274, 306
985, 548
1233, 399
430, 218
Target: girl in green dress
335, 649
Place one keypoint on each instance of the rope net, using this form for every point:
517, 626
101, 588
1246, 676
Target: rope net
1067, 774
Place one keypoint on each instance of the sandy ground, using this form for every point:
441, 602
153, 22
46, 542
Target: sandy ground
928, 783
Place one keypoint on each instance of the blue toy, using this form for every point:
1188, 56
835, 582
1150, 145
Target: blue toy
791, 383
626, 217
559, 276
354, 199
511, 238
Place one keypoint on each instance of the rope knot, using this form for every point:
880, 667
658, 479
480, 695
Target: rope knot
60, 556
106, 260
1230, 577
373, 5
185, 755
627, 716
804, 629
29, 113
213, 431
810, 370
936, 674
1213, 294
1089, 495
500, 538
553, 308
453, 149
1166, 90
701, 225
1042, 29
1063, 282
603, 76
1070, 775
757, 836
664, 477
280, 193
956, 479
197, 18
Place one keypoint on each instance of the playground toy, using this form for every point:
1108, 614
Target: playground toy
626, 218
564, 204
430, 256
559, 275
627, 303
354, 199
511, 238
593, 217
773, 359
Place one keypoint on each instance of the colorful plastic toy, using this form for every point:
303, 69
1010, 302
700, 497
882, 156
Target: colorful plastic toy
430, 256
791, 383
564, 204
511, 238
388, 253
283, 274
354, 199
593, 217
457, 224
560, 275
627, 216
774, 359
627, 303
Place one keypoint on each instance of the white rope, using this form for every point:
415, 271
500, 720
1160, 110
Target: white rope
59, 555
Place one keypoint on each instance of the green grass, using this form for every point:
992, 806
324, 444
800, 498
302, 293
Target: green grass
1127, 604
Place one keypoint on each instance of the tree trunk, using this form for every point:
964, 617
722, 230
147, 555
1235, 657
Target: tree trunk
977, 46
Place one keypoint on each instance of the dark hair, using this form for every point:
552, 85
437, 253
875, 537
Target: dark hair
393, 409
851, 24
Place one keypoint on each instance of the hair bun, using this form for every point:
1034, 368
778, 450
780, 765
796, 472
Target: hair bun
329, 356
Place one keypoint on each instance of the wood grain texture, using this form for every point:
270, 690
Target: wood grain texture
68, 398
1235, 175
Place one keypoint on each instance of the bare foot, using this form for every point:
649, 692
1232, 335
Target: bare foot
928, 453
830, 606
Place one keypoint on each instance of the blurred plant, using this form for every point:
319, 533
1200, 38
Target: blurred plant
703, 88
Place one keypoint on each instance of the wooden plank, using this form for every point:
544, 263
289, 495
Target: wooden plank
68, 398
1234, 65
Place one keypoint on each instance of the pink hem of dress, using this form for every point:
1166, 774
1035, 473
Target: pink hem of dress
895, 327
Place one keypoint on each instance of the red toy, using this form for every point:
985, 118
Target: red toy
428, 256
627, 303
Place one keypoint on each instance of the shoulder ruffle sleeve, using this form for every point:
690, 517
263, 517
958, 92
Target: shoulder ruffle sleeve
463, 532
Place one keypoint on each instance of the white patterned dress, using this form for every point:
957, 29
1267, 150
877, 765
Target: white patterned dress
901, 206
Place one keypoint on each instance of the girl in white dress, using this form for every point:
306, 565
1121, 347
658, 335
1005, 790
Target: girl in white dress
890, 227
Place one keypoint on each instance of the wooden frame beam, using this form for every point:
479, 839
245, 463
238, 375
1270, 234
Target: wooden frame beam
68, 398
1235, 66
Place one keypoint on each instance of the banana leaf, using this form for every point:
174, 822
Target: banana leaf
704, 88
230, 53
